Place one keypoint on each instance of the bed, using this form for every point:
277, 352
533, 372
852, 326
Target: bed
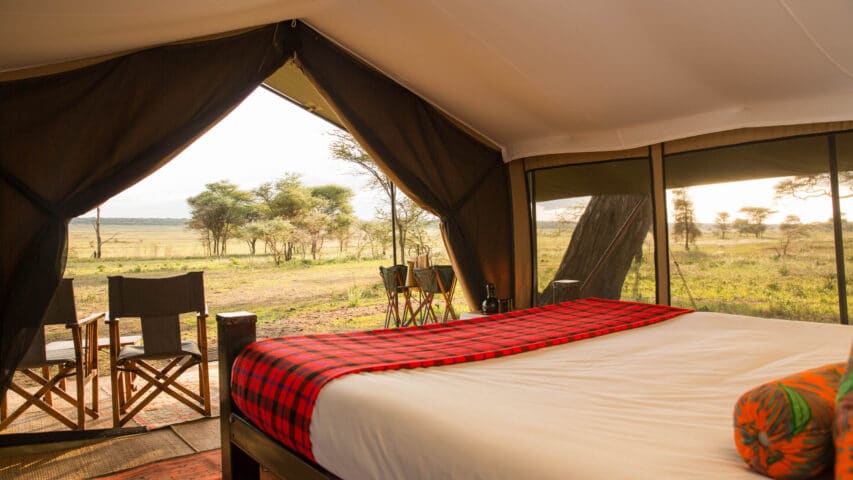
649, 402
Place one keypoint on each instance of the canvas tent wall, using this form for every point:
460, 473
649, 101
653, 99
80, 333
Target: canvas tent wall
533, 79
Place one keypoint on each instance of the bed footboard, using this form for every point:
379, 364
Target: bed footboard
235, 330
244, 448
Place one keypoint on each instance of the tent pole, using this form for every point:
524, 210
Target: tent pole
393, 220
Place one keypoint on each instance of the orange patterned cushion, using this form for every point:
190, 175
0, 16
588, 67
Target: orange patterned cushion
783, 428
842, 432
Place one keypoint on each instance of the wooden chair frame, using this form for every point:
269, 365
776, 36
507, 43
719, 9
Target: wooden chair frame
82, 366
434, 280
160, 300
393, 279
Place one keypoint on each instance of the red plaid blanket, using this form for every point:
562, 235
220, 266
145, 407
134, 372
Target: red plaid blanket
275, 382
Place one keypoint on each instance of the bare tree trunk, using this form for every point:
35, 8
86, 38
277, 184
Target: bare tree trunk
97, 226
401, 237
607, 238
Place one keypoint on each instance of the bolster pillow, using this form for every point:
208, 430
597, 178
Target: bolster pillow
842, 431
783, 429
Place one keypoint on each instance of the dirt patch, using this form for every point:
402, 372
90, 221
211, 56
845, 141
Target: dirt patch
327, 321
320, 321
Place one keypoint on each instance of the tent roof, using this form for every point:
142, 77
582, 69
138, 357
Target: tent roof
532, 77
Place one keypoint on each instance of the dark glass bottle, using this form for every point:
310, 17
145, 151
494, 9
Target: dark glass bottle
490, 304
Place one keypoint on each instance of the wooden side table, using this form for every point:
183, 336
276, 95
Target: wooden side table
572, 289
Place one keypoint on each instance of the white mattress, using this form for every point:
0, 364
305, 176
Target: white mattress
655, 402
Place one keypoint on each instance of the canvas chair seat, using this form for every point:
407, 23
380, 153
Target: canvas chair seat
53, 357
157, 303
103, 343
137, 352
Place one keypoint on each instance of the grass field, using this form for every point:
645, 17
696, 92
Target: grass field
336, 293
142, 241
743, 275
341, 293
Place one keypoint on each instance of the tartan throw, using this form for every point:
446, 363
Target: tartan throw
276, 381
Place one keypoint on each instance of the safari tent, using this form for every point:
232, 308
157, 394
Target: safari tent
475, 109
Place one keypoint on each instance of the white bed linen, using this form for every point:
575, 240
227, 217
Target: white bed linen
650, 403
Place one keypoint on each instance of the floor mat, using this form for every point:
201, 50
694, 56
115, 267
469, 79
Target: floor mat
112, 455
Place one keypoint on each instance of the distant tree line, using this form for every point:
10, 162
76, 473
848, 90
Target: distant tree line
129, 221
753, 221
285, 217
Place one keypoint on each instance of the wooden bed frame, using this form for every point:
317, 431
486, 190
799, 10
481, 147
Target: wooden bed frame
245, 449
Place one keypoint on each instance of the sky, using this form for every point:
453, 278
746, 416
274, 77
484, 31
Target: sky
266, 137
261, 140
709, 200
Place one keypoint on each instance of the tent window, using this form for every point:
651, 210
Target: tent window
593, 224
751, 229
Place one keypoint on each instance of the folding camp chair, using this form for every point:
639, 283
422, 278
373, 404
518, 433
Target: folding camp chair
78, 359
163, 356
393, 279
438, 279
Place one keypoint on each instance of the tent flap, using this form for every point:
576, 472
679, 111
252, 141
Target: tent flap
434, 162
74, 139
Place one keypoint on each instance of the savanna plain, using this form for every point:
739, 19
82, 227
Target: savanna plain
340, 291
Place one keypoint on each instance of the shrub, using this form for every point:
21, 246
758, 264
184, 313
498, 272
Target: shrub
354, 295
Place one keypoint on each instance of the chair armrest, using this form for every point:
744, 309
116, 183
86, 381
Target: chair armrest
87, 320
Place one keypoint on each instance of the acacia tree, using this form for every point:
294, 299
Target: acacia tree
685, 218
607, 238
314, 225
375, 235
755, 220
277, 234
742, 227
289, 200
412, 222
791, 229
251, 233
248, 231
813, 186
217, 212
722, 224
344, 147
567, 217
336, 206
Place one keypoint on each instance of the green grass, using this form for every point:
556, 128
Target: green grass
335, 293
339, 292
741, 275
